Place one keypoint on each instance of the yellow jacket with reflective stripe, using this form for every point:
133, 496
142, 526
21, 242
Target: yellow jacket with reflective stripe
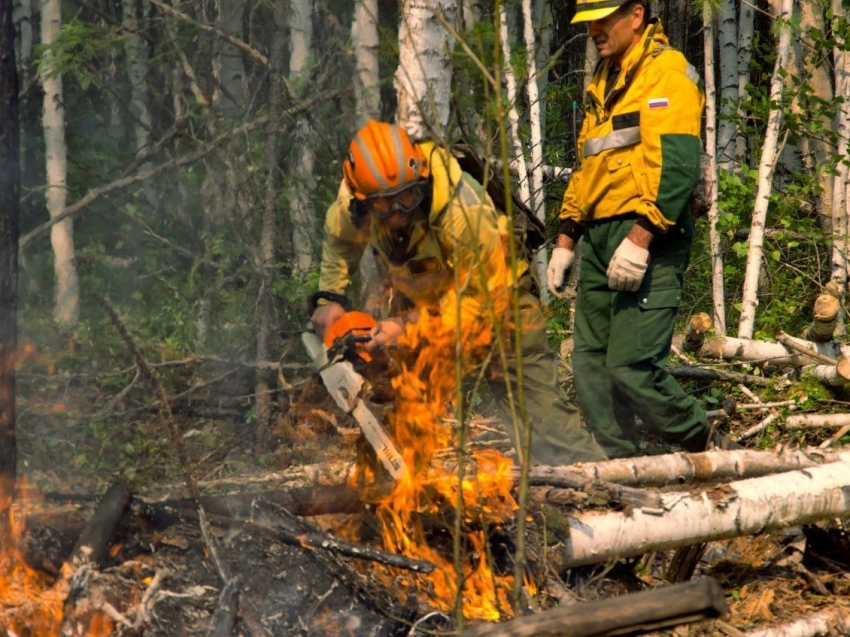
463, 238
639, 147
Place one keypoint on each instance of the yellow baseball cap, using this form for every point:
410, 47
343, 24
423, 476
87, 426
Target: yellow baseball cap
589, 10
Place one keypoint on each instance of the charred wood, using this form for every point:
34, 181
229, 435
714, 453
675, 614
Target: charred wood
224, 618
89, 551
704, 373
97, 534
639, 612
301, 501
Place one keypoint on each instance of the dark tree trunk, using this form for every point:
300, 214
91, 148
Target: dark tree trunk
9, 231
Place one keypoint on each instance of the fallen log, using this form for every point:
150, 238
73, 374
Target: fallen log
656, 609
836, 375
827, 622
703, 373
88, 553
779, 354
681, 468
811, 421
746, 507
98, 532
301, 501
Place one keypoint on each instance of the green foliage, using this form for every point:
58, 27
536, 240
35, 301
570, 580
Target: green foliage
79, 52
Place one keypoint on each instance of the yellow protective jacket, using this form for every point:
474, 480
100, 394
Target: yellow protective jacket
639, 147
464, 238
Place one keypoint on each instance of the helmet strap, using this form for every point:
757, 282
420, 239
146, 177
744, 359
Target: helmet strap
358, 211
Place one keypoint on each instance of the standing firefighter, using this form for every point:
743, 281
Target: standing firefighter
639, 152
442, 243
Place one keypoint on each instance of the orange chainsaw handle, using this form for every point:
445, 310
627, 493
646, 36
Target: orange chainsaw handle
352, 323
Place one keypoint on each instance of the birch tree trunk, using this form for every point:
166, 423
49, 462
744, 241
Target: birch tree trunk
816, 151
9, 232
66, 311
303, 157
746, 14
538, 196
229, 93
746, 507
367, 95
767, 165
718, 293
727, 37
364, 40
135, 49
513, 117
266, 266
423, 78
841, 186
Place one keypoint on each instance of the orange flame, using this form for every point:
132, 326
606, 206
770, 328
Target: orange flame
424, 387
30, 603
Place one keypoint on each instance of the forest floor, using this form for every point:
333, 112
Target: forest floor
80, 432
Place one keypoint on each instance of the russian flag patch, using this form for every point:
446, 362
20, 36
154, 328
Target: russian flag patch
659, 102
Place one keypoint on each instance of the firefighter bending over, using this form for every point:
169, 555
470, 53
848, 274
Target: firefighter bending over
424, 217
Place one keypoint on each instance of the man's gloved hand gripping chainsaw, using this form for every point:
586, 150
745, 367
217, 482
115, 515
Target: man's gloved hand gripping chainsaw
334, 359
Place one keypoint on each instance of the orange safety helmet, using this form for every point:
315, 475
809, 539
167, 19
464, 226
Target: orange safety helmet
383, 160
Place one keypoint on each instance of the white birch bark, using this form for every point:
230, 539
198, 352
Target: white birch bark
229, 93
423, 78
841, 180
746, 15
746, 507
718, 293
538, 196
513, 117
542, 20
832, 375
815, 421
367, 96
767, 165
22, 19
66, 310
727, 37
826, 622
364, 40
687, 468
748, 350
303, 156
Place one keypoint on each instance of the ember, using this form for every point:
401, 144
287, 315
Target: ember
33, 604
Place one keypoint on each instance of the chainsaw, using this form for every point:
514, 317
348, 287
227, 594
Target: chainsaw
338, 358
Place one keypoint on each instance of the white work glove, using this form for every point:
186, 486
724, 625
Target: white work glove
627, 267
559, 268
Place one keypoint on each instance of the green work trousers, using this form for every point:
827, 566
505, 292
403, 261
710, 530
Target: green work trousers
622, 340
558, 436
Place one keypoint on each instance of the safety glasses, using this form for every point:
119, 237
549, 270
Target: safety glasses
404, 201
